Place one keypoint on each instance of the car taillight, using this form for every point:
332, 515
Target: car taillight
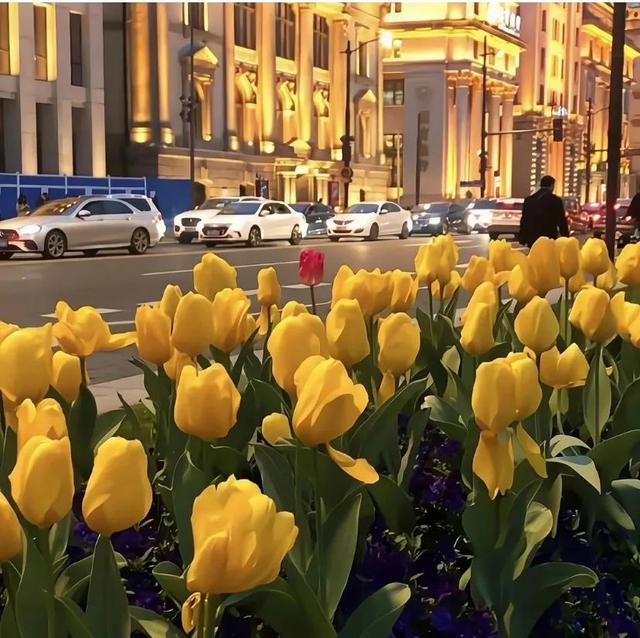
596, 217
158, 218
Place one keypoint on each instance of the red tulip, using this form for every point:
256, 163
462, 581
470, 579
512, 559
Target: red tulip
311, 268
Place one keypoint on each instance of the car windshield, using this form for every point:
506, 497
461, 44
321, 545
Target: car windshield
508, 206
64, 206
241, 208
436, 207
216, 203
362, 209
483, 204
299, 207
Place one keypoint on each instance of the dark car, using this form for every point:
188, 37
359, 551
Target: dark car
577, 219
317, 215
437, 218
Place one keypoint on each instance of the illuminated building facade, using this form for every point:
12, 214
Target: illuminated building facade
433, 71
51, 88
269, 82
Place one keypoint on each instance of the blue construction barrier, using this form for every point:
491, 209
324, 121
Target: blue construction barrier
172, 195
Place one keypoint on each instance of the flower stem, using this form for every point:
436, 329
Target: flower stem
312, 290
83, 370
213, 611
319, 535
297, 495
266, 339
596, 435
565, 333
430, 300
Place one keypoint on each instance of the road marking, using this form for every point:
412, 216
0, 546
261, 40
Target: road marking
183, 270
124, 322
102, 311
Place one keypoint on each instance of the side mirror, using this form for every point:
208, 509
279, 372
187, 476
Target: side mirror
264, 212
84, 213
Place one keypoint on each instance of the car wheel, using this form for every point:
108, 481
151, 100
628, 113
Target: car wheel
184, 240
5, 256
255, 237
494, 236
334, 238
373, 233
404, 233
296, 236
210, 244
139, 242
90, 253
55, 245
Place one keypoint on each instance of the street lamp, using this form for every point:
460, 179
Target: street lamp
589, 145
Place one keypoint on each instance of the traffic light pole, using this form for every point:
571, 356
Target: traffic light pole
587, 166
192, 100
346, 140
483, 127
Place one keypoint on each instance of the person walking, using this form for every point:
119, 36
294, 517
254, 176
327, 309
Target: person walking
42, 199
634, 213
22, 206
543, 214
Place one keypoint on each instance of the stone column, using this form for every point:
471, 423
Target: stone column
24, 155
305, 72
506, 146
230, 78
493, 141
162, 40
140, 69
63, 88
463, 126
475, 124
266, 19
93, 54
337, 75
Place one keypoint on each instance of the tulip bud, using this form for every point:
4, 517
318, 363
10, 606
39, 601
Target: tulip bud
26, 363
577, 282
607, 280
305, 369
566, 370
212, 275
477, 332
307, 332
191, 611
238, 529
311, 267
293, 309
568, 256
207, 402
478, 271
153, 330
625, 314
339, 287
446, 292
503, 257
66, 375
230, 309
176, 365
269, 291
595, 256
118, 493
6, 329
10, 531
399, 343
528, 393
170, 300
268, 318
537, 326
347, 332
591, 312
544, 265
45, 419
192, 325
42, 480
433, 261
372, 289
485, 293
520, 287
387, 387
404, 289
275, 426
627, 264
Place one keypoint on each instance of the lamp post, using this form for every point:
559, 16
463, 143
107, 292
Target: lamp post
187, 113
483, 126
589, 145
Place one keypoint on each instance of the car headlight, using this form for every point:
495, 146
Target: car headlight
30, 229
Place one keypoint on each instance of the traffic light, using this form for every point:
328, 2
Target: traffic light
557, 129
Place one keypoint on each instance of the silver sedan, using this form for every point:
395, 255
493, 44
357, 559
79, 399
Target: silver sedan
86, 224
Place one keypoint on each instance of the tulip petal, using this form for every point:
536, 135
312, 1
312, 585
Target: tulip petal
359, 469
387, 387
276, 426
121, 340
531, 451
493, 462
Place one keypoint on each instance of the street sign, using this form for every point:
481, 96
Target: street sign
470, 183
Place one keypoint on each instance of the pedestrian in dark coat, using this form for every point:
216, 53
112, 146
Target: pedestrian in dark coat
543, 214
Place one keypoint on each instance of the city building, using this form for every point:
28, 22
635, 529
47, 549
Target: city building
269, 87
433, 97
51, 88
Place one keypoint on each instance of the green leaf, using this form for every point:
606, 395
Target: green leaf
277, 477
538, 588
75, 619
107, 425
625, 416
340, 531
395, 505
245, 351
8, 626
538, 524
377, 614
81, 426
415, 431
595, 421
107, 605
561, 442
152, 625
447, 417
581, 466
169, 577
225, 460
627, 492
59, 537
612, 455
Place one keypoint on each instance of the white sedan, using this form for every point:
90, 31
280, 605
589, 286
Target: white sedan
371, 220
253, 222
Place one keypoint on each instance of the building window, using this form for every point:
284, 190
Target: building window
75, 39
195, 15
40, 41
362, 65
575, 104
320, 42
245, 24
543, 59
554, 66
285, 31
397, 7
543, 25
476, 8
507, 62
554, 29
393, 92
563, 33
541, 94
577, 36
5, 68
393, 158
575, 71
562, 69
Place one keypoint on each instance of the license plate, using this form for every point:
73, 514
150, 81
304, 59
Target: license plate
215, 232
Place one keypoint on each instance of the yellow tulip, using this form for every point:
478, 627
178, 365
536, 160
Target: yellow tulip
627, 263
493, 462
476, 336
230, 309
478, 271
42, 480
626, 315
176, 365
170, 300
398, 342
84, 332
212, 275
527, 391
372, 289
268, 318
591, 312
239, 538
504, 258
6, 329
250, 326
568, 255
10, 531
10, 416
537, 325
404, 288
608, 279
291, 342
26, 362
44, 419
566, 370
66, 375
577, 282
338, 289
118, 493
520, 287
595, 257
207, 402
192, 325
293, 309
269, 291
328, 405
387, 387
275, 426
190, 613
449, 249
153, 330
544, 265
485, 293
347, 332
433, 261
447, 292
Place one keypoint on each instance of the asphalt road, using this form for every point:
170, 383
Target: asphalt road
117, 282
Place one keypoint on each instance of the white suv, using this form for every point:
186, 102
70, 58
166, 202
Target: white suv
145, 205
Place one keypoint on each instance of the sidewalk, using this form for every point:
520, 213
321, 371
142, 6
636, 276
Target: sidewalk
106, 394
